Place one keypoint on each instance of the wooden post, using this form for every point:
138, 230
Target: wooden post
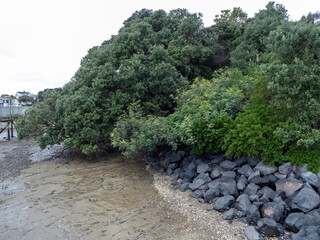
9, 134
11, 128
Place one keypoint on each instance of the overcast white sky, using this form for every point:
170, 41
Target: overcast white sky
43, 41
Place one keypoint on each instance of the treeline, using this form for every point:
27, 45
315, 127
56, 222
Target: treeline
243, 86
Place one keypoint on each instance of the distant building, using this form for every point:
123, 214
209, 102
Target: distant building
19, 94
6, 101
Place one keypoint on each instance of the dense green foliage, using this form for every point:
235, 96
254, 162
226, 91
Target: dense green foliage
157, 82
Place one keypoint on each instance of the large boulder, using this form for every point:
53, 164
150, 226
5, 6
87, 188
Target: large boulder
306, 200
269, 227
288, 185
272, 210
223, 203
307, 233
228, 186
173, 157
310, 178
253, 214
242, 202
295, 221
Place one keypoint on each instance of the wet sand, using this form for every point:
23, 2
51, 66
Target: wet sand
114, 198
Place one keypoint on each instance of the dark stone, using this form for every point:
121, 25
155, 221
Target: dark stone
310, 178
190, 173
242, 183
216, 172
306, 200
253, 161
245, 170
217, 159
182, 153
243, 220
281, 194
241, 161
270, 228
289, 185
230, 174
204, 177
253, 214
300, 170
261, 181
184, 187
267, 194
211, 194
151, 159
203, 168
214, 184
280, 176
307, 233
242, 202
196, 184
251, 189
272, 179
253, 175
230, 214
228, 186
197, 194
173, 157
295, 221
252, 234
285, 168
312, 218
228, 165
223, 203
254, 197
272, 210
264, 169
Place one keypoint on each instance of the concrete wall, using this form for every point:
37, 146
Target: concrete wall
14, 111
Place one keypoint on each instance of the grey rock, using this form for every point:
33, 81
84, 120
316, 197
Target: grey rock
295, 221
242, 183
190, 172
197, 194
245, 170
203, 168
300, 170
228, 165
312, 218
267, 194
217, 159
228, 186
307, 233
272, 210
310, 178
253, 175
230, 214
151, 159
253, 161
184, 187
253, 214
252, 234
306, 200
173, 157
211, 194
241, 161
196, 184
216, 172
285, 168
230, 174
264, 169
280, 176
215, 184
223, 203
261, 181
204, 177
270, 228
288, 185
254, 197
251, 189
242, 202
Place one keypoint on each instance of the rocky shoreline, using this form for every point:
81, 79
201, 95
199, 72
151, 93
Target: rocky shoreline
280, 201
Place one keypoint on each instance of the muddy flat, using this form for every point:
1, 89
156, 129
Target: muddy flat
113, 198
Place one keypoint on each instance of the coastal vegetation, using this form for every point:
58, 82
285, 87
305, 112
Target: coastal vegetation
243, 86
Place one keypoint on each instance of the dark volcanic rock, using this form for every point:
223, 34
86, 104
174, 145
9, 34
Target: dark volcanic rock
261, 181
230, 214
216, 172
267, 194
184, 187
252, 234
280, 176
173, 157
197, 194
251, 189
295, 221
253, 161
270, 228
245, 170
229, 165
310, 178
228, 186
204, 177
217, 159
253, 214
253, 175
211, 194
242, 202
230, 174
306, 200
223, 203
151, 159
272, 210
264, 169
241, 161
285, 168
289, 185
196, 184
203, 168
307, 233
242, 183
